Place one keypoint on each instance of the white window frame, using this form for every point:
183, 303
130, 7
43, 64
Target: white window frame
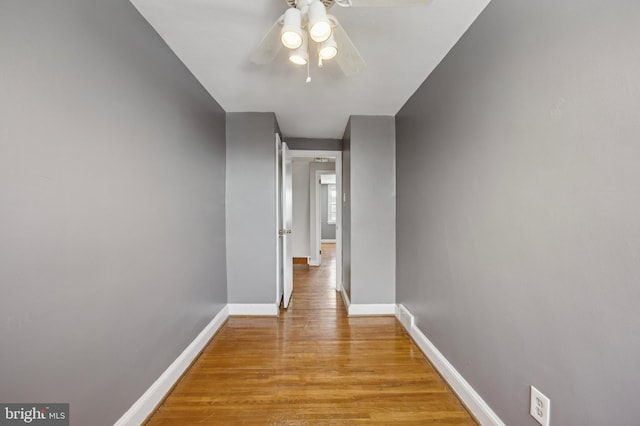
332, 188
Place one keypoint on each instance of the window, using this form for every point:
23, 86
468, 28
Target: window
333, 205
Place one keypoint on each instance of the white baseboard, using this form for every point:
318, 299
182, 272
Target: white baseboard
328, 240
362, 309
345, 299
354, 309
145, 405
471, 399
254, 309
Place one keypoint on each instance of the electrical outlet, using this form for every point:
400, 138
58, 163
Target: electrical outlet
540, 407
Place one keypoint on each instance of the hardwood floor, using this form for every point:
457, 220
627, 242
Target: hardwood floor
311, 366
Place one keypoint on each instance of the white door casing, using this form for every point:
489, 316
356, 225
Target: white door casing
279, 265
315, 208
314, 231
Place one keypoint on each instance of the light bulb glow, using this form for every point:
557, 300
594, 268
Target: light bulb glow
320, 31
328, 52
297, 59
291, 39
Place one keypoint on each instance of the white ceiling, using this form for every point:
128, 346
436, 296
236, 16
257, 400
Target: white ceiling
401, 46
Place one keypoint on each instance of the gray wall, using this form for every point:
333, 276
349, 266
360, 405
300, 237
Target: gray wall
327, 230
370, 206
251, 207
314, 144
300, 226
518, 206
112, 168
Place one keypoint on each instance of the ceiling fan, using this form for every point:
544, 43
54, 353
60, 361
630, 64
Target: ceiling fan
307, 21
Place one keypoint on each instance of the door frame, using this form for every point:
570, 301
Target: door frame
315, 212
278, 171
313, 204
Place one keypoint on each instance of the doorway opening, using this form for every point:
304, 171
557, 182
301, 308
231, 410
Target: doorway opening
316, 206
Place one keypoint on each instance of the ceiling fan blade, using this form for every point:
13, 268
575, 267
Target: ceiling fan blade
382, 3
348, 57
269, 47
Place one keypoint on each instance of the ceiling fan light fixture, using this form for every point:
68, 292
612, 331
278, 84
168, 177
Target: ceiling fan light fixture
328, 49
319, 25
300, 56
291, 33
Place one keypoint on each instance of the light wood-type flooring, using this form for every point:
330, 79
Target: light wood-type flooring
312, 365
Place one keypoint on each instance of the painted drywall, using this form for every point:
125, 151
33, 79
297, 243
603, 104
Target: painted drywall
314, 144
251, 207
300, 228
370, 206
328, 230
112, 241
518, 203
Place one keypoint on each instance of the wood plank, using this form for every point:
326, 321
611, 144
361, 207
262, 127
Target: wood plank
312, 365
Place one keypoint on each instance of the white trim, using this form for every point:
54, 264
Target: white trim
329, 203
356, 309
345, 299
328, 240
470, 398
278, 239
339, 224
254, 309
145, 405
315, 208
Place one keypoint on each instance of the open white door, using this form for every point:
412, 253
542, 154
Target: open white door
286, 211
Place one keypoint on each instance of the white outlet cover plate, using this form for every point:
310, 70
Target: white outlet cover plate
539, 407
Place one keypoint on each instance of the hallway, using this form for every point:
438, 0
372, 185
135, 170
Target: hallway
311, 366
